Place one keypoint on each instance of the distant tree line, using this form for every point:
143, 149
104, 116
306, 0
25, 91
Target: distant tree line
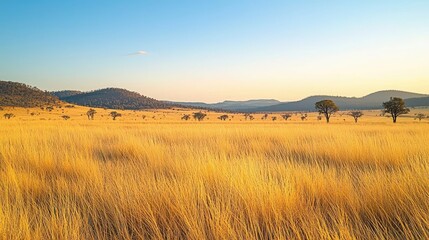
394, 107
326, 108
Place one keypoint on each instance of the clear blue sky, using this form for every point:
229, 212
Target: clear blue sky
217, 50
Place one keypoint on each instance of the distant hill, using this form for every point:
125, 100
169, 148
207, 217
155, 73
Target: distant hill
382, 96
65, 93
193, 104
21, 95
417, 102
232, 105
115, 98
371, 101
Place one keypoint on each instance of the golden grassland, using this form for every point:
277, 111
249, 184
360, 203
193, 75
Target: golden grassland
163, 178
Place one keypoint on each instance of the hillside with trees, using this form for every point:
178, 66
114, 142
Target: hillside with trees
21, 95
115, 98
417, 102
66, 93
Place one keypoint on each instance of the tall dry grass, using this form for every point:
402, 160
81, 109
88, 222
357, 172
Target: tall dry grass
87, 180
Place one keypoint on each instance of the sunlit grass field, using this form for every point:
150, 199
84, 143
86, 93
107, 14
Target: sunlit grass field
164, 178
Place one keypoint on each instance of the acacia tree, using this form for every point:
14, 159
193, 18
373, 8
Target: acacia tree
420, 116
199, 116
115, 114
247, 116
91, 112
186, 117
65, 117
223, 117
8, 115
356, 115
265, 116
327, 108
286, 116
395, 107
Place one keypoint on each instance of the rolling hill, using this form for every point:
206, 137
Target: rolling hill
21, 95
66, 93
417, 102
232, 105
371, 101
115, 98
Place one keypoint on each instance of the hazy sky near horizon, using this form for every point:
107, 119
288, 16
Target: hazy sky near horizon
216, 50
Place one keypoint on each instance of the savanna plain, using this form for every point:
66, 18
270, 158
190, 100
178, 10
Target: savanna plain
165, 178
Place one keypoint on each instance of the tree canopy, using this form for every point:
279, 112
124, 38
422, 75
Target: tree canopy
395, 107
356, 115
327, 108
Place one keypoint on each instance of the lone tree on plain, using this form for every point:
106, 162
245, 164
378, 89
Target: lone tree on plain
247, 116
199, 116
223, 117
420, 116
327, 108
115, 114
8, 115
91, 112
286, 116
356, 115
395, 107
186, 117
65, 117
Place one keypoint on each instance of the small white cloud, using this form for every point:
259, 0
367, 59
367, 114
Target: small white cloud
139, 53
